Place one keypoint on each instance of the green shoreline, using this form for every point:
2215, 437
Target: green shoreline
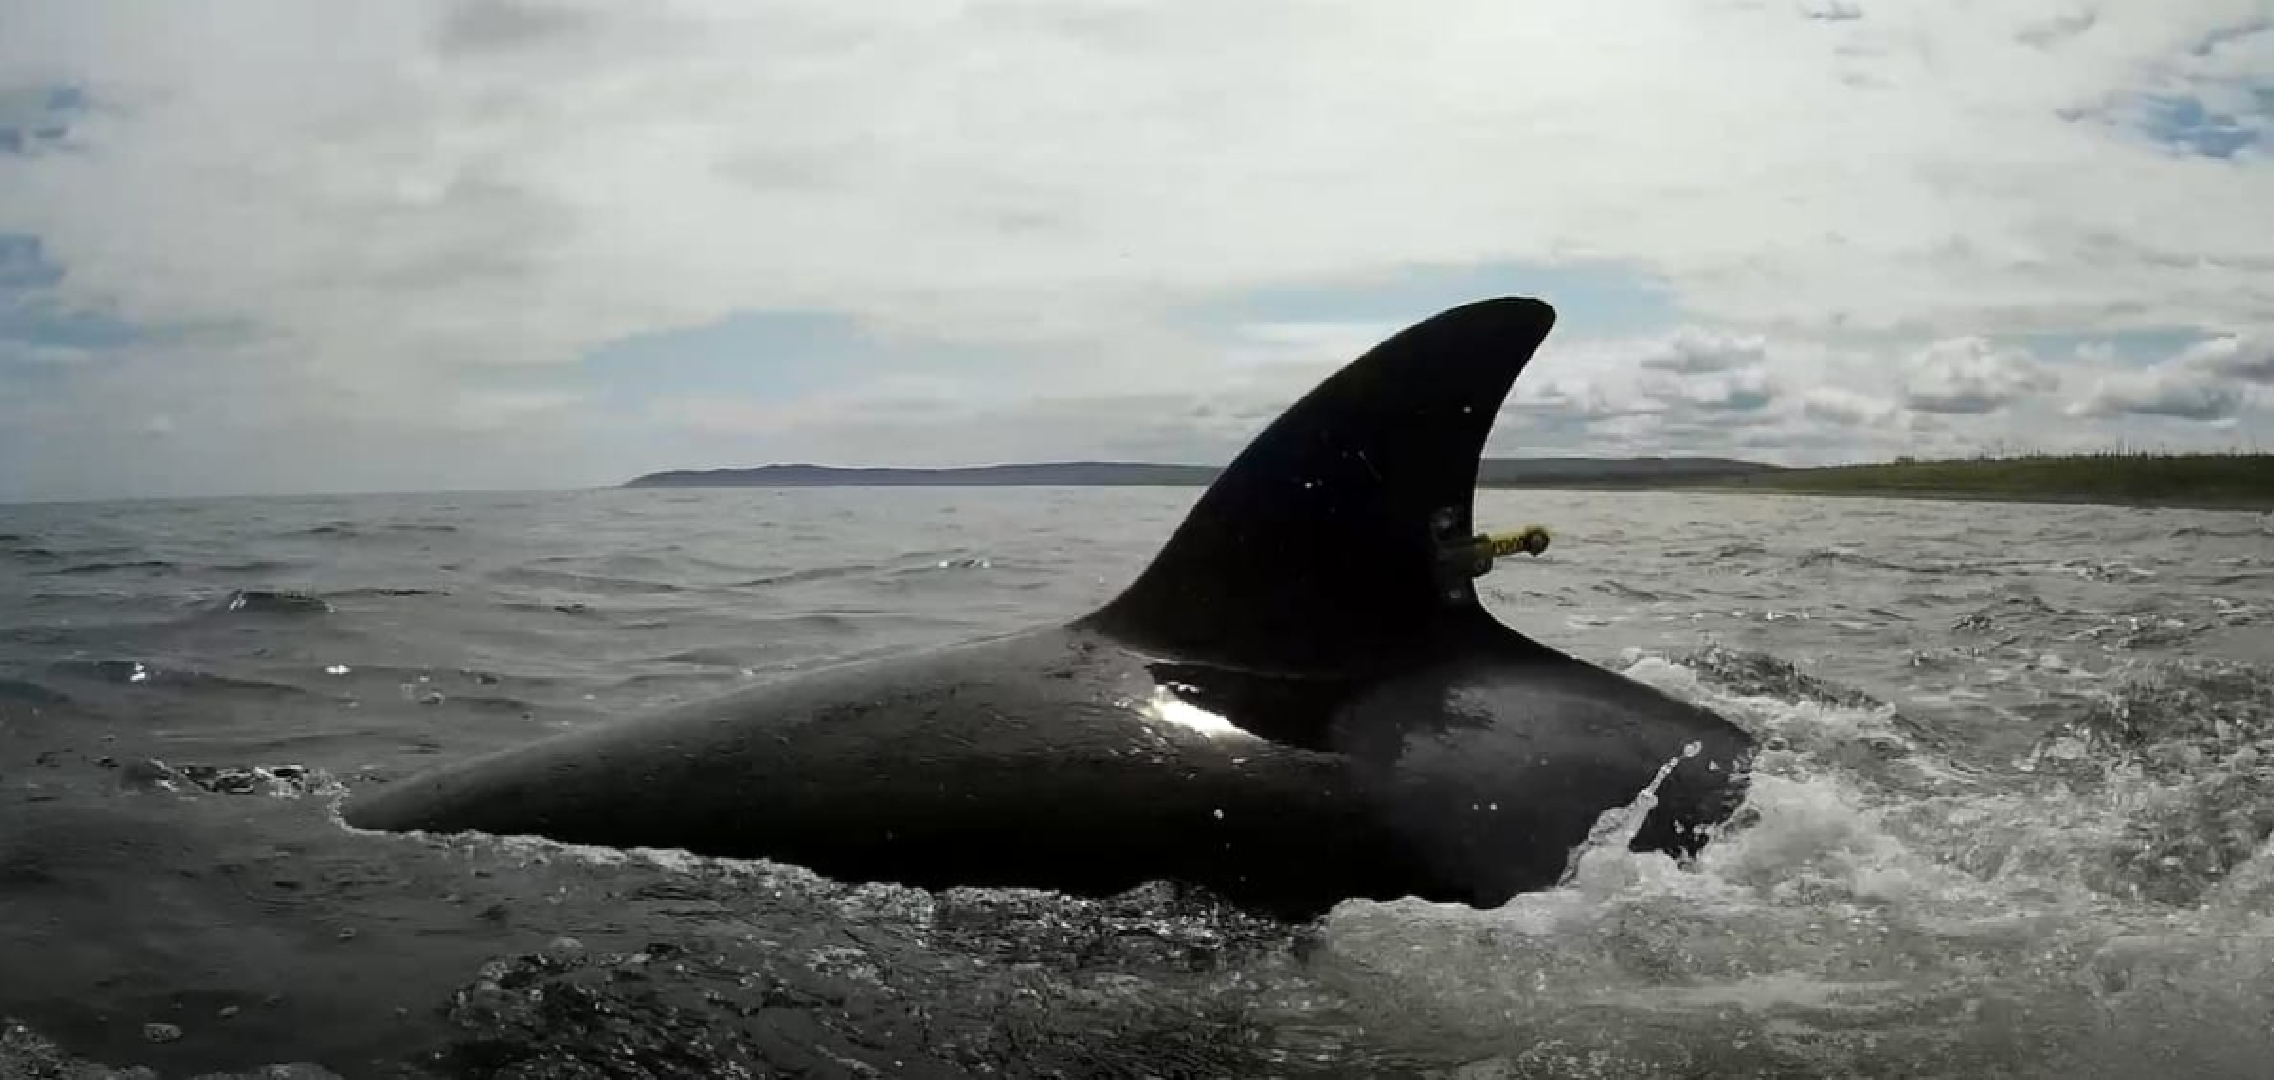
2242, 504
2229, 481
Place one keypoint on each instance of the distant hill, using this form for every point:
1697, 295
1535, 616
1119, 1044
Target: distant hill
2228, 480
1055, 474
1491, 472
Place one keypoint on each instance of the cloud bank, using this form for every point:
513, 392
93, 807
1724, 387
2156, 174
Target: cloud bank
314, 244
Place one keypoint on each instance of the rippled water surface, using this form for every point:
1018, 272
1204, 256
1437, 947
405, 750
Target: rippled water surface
2012, 820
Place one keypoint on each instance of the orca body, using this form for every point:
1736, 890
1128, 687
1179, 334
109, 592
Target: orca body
1300, 701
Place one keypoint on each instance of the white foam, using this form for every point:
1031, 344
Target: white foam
1168, 708
1937, 905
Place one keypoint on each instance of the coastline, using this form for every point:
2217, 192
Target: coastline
2226, 481
2231, 481
2263, 504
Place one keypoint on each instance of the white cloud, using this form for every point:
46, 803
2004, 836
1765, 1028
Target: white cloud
2165, 391
1846, 407
1970, 375
1691, 350
2248, 359
2216, 379
401, 210
1708, 371
1794, 402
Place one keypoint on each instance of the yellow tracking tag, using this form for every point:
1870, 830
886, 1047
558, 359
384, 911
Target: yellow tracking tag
1531, 540
1480, 551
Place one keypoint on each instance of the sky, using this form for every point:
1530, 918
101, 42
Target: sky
332, 245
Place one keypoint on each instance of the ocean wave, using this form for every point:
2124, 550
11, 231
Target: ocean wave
1629, 592
2032, 852
117, 566
388, 591
2026, 609
1759, 674
704, 657
170, 677
1854, 916
349, 530
2104, 570
2193, 531
25, 1052
23, 692
595, 584
1835, 557
275, 602
274, 781
2176, 758
807, 575
955, 562
252, 567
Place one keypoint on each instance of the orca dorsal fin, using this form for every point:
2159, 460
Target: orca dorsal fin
1320, 547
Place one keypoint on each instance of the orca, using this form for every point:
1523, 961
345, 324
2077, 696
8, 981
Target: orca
1299, 701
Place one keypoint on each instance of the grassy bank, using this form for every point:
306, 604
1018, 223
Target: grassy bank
2221, 480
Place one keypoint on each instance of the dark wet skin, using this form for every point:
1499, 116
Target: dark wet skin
1365, 729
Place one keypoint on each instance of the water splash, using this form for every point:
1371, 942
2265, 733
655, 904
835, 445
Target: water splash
1855, 920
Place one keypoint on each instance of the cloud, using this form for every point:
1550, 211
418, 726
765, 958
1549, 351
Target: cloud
1848, 408
1971, 376
1691, 351
2211, 380
24, 265
37, 120
1706, 371
2171, 392
570, 155
395, 216
1792, 401
2247, 359
502, 26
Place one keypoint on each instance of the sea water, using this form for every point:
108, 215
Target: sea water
2011, 818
